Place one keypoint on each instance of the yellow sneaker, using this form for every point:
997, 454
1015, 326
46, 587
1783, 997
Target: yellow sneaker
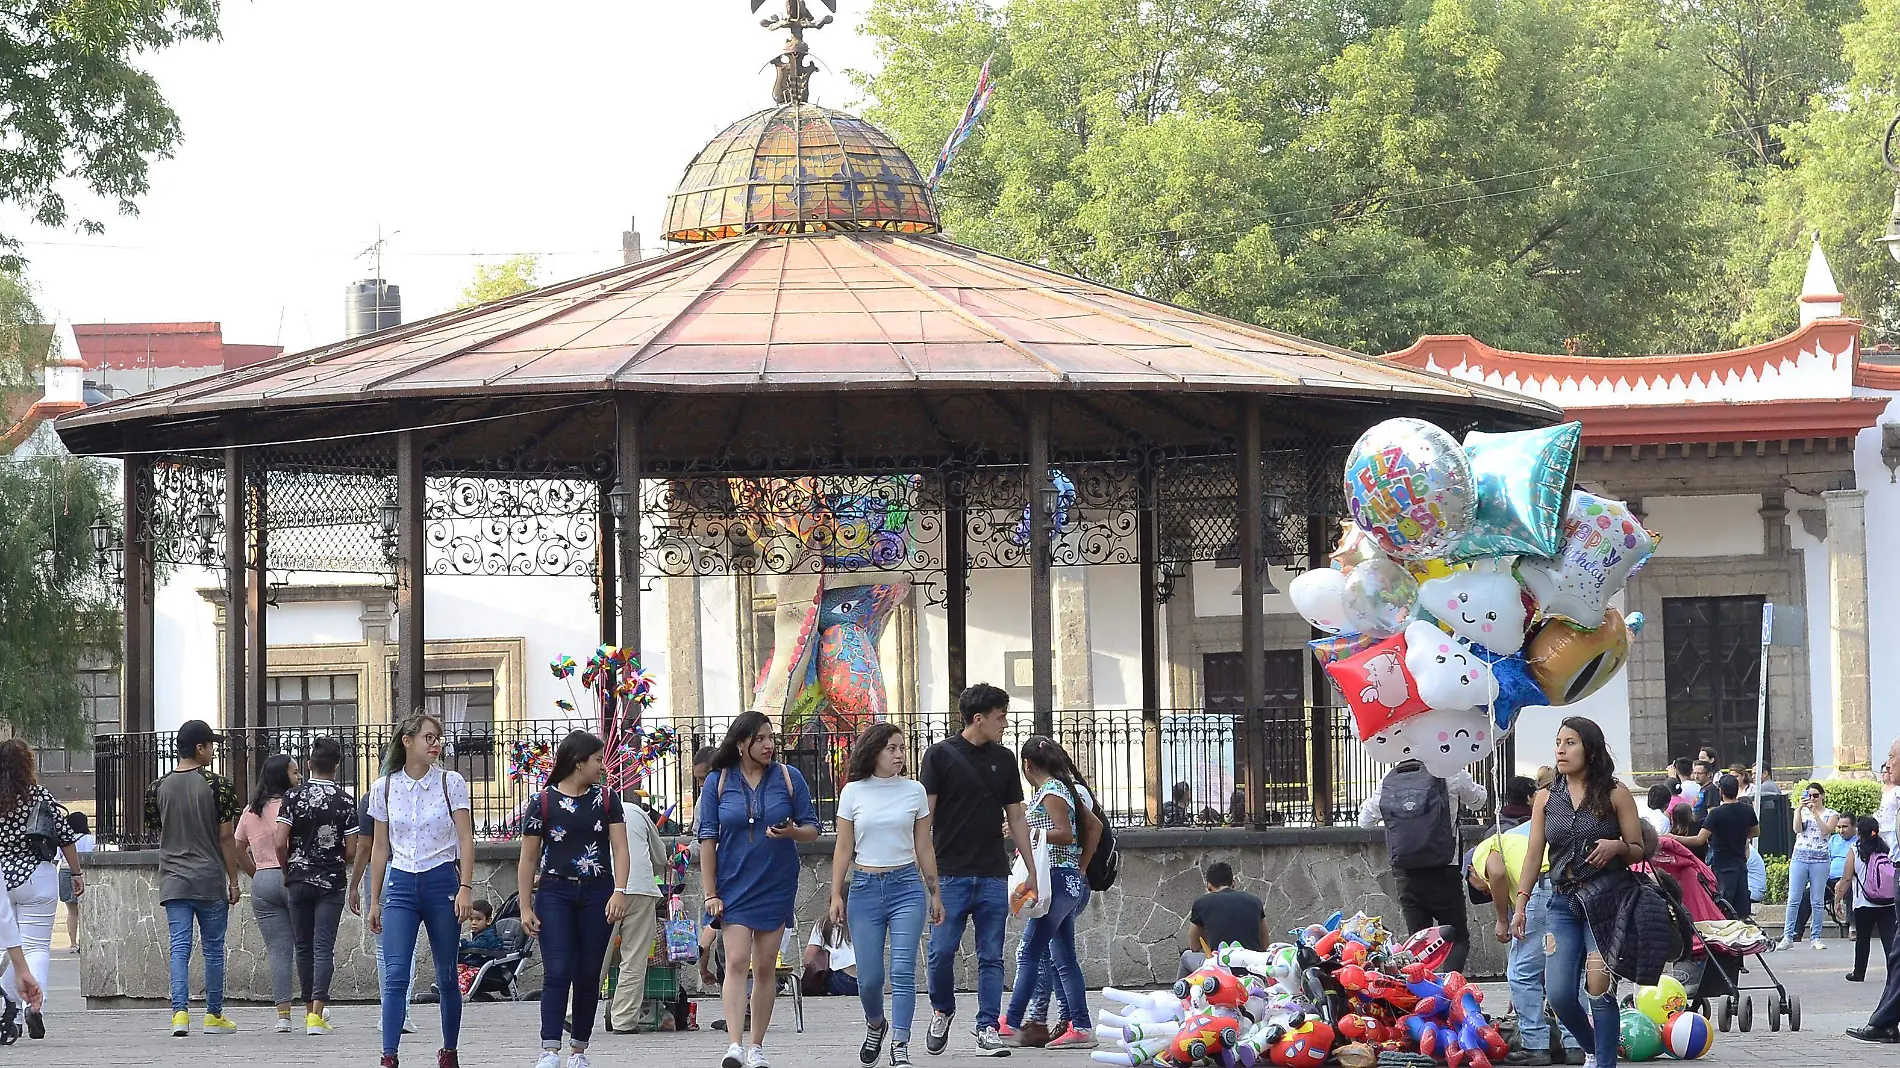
316, 1025
181, 1024
216, 1024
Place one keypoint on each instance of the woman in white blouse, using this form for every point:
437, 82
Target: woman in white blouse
884, 849
423, 861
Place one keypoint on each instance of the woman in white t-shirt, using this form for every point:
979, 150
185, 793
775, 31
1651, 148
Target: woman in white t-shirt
85, 844
884, 849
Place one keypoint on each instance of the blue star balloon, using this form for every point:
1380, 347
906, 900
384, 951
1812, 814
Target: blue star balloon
1522, 482
1516, 687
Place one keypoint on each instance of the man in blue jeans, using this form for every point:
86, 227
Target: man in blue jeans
194, 810
974, 784
1490, 873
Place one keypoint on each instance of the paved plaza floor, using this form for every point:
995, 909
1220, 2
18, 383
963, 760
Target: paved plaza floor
497, 1035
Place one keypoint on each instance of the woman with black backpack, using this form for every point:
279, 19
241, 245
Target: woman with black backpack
1871, 915
33, 830
574, 845
1064, 810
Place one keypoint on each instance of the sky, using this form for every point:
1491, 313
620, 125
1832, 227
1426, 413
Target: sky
468, 130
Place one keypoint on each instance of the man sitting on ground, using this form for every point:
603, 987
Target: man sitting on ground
1223, 915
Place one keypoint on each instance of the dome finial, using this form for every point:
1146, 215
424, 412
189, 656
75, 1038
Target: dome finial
792, 85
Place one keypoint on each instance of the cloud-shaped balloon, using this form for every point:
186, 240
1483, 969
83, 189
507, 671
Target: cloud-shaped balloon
1602, 544
1320, 598
1482, 603
1448, 740
1446, 671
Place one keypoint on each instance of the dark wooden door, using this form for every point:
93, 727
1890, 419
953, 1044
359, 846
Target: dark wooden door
1712, 674
1278, 735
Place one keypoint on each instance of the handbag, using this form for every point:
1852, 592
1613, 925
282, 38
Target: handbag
44, 826
1019, 880
682, 936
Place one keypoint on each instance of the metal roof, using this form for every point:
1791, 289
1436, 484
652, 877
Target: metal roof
767, 313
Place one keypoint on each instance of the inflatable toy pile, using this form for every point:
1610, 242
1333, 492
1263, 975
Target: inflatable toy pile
1345, 991
1471, 581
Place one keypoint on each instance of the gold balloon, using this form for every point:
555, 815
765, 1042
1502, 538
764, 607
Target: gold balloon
1570, 663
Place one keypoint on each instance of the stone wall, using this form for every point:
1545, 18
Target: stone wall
1132, 935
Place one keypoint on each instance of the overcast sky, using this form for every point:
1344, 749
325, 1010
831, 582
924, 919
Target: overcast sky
468, 129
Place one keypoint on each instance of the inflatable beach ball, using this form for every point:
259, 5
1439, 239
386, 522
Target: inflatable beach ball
1688, 1036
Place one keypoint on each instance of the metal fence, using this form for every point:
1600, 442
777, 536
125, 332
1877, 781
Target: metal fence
1178, 768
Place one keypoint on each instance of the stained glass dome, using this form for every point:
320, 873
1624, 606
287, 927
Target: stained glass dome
799, 168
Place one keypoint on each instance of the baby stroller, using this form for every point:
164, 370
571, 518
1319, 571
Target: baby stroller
1712, 974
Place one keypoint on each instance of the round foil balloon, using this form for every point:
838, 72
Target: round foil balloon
1522, 481
1408, 485
1380, 597
1319, 596
1327, 650
1570, 663
1602, 544
1355, 547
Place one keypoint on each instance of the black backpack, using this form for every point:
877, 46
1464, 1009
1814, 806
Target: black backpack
1416, 808
1106, 864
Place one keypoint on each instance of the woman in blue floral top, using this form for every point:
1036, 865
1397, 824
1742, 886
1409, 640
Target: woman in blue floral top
574, 839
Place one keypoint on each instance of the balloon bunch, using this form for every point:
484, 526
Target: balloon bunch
1229, 1013
1471, 581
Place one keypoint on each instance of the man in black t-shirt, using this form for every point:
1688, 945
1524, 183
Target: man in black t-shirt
1727, 830
1223, 915
316, 842
973, 783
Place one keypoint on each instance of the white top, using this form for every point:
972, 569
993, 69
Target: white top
1689, 791
1463, 788
842, 955
420, 814
1888, 814
1658, 821
645, 858
86, 843
884, 815
9, 925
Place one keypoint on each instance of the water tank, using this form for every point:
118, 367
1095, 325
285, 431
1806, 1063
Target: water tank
370, 305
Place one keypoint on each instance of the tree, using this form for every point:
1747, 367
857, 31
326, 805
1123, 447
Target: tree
495, 281
1532, 171
23, 340
77, 108
1836, 187
55, 609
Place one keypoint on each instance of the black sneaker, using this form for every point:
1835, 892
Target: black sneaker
900, 1055
873, 1042
35, 1025
939, 1034
10, 1030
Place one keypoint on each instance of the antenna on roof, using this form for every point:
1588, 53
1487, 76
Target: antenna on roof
374, 253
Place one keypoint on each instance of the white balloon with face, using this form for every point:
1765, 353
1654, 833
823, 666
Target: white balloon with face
1320, 597
1445, 671
1451, 739
1396, 742
1483, 604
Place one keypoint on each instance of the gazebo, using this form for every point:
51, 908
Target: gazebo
814, 322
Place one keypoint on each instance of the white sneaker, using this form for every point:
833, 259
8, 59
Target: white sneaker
284, 1026
1818, 944
1589, 1060
578, 1059
735, 1057
550, 1058
1784, 944
755, 1058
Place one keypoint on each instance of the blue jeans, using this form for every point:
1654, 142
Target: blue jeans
371, 891
1806, 878
983, 901
1526, 973
213, 917
1052, 936
887, 906
411, 902
574, 937
1599, 1029
1044, 990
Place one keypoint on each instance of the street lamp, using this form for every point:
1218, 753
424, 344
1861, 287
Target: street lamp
115, 556
1892, 240
620, 501
101, 533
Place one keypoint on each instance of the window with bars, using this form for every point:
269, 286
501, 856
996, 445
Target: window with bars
100, 690
462, 699
311, 701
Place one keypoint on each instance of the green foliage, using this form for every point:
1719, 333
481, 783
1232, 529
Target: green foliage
1852, 797
1777, 891
497, 281
23, 341
55, 610
1534, 172
79, 111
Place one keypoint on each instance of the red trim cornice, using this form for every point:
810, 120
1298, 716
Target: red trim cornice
1877, 376
1450, 351
41, 412
1780, 420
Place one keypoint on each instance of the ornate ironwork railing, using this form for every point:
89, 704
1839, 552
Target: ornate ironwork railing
1183, 767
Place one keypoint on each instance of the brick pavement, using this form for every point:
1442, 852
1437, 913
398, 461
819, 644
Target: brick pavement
495, 1035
